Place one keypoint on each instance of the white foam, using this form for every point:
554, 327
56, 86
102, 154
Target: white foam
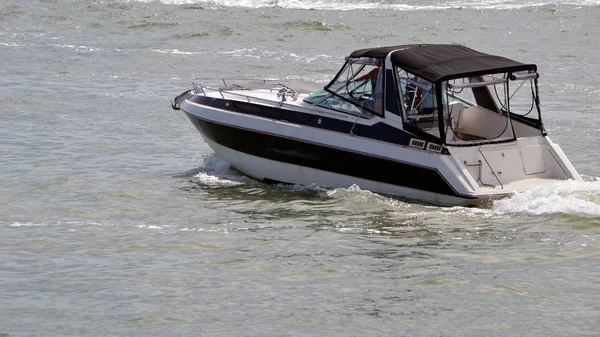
149, 227
77, 48
375, 4
367, 199
255, 53
10, 44
51, 223
175, 51
353, 190
569, 197
25, 224
217, 172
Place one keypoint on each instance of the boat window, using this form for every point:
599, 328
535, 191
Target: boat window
358, 89
318, 97
522, 98
326, 99
474, 109
492, 107
419, 98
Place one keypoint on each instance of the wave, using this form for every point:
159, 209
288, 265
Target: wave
176, 51
276, 55
576, 198
82, 49
10, 44
73, 226
255, 53
571, 198
346, 5
149, 24
215, 171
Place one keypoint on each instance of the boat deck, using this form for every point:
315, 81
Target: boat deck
271, 93
519, 185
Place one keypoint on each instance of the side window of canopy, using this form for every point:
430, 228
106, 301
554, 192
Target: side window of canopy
489, 107
419, 96
419, 100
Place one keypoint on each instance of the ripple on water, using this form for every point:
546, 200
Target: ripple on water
161, 242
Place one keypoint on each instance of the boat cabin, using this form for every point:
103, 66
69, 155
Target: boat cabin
448, 94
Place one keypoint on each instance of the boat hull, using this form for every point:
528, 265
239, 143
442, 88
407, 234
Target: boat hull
277, 157
280, 172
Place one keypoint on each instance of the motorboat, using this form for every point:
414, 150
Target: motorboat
440, 124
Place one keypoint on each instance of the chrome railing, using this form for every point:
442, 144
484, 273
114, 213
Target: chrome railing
230, 93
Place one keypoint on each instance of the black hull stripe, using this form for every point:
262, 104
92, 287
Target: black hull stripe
324, 158
378, 131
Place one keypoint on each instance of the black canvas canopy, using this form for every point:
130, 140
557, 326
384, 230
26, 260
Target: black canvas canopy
439, 62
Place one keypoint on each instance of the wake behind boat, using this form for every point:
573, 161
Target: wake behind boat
443, 124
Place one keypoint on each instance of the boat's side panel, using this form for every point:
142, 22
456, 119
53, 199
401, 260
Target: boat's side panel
265, 169
562, 161
334, 151
321, 136
371, 128
323, 158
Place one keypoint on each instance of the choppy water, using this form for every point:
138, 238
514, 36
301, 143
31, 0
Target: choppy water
117, 220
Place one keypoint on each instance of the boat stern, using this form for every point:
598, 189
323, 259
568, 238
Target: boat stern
492, 170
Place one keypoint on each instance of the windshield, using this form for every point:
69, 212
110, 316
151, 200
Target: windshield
358, 89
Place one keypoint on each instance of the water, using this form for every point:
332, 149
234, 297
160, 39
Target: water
117, 220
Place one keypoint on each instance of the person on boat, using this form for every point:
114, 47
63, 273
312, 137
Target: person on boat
371, 75
375, 101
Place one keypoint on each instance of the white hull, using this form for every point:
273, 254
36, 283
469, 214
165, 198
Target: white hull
265, 169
